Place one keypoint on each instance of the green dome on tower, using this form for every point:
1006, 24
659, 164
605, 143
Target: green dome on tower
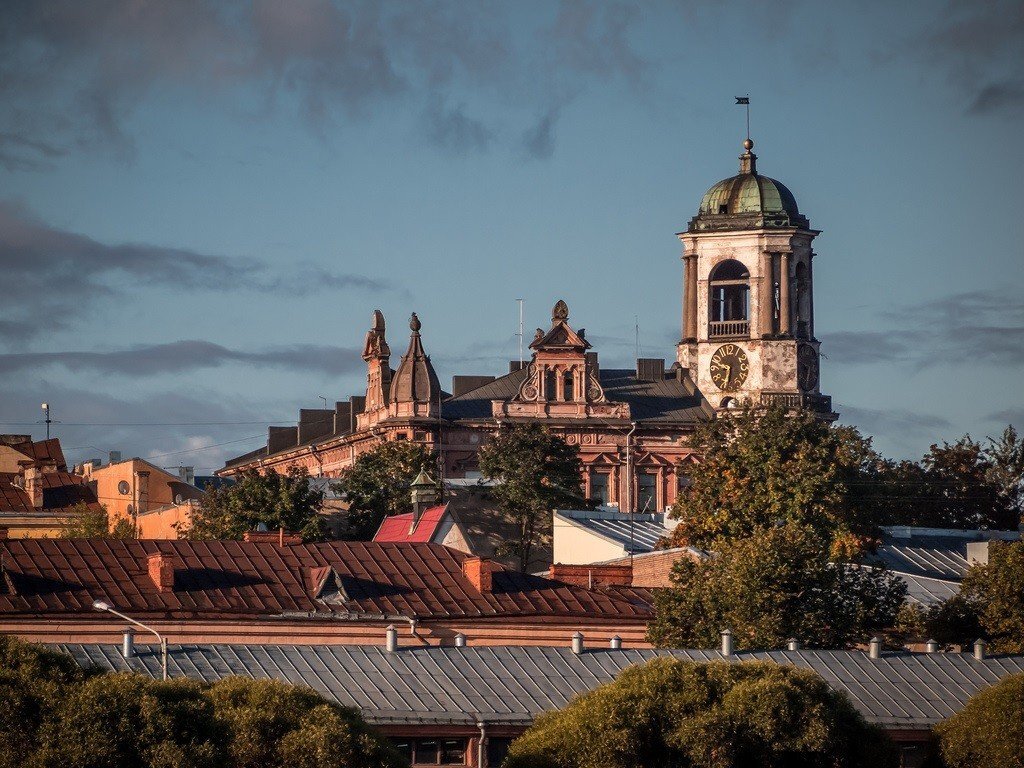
748, 201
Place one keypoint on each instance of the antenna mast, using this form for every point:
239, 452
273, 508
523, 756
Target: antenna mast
520, 334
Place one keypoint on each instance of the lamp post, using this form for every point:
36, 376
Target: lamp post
99, 605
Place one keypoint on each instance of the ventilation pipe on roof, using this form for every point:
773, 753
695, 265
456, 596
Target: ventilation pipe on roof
391, 639
727, 649
792, 644
615, 643
577, 643
875, 647
460, 640
128, 643
980, 646
932, 646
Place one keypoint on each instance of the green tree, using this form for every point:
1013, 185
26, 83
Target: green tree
124, 719
275, 725
33, 681
760, 469
537, 472
377, 485
85, 522
996, 592
949, 622
678, 714
278, 501
770, 586
989, 730
1006, 469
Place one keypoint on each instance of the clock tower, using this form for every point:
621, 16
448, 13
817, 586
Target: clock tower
748, 307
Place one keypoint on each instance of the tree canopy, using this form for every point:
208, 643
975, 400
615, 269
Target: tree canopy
85, 522
377, 485
286, 501
537, 472
989, 730
678, 714
996, 593
760, 469
56, 716
775, 584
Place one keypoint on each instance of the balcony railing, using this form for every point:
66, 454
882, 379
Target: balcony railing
720, 328
806, 400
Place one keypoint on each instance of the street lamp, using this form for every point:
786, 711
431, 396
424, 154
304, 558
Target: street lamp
99, 605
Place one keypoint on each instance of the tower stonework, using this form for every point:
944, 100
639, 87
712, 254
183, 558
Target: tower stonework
748, 307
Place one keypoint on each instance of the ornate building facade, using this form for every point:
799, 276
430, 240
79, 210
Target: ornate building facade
747, 338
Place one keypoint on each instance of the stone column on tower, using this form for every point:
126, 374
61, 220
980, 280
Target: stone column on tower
785, 310
766, 296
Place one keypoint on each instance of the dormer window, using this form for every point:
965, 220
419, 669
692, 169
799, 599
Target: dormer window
729, 304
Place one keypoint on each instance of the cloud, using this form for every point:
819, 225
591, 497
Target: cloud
72, 75
52, 275
184, 356
998, 97
893, 421
539, 141
985, 327
452, 129
1013, 416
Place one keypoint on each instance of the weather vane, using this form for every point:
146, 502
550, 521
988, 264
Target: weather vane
745, 101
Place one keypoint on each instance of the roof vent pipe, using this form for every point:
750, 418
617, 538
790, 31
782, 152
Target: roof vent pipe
577, 643
615, 643
460, 640
391, 638
128, 643
875, 647
792, 644
932, 646
980, 646
727, 642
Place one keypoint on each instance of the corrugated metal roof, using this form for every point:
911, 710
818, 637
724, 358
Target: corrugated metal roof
397, 527
515, 684
219, 579
636, 533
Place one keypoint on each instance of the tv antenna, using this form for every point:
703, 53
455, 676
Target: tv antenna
520, 334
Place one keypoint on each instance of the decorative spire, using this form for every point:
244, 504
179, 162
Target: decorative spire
748, 160
415, 324
376, 346
560, 311
415, 380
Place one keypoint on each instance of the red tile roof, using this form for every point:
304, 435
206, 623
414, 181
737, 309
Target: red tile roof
61, 490
223, 579
396, 527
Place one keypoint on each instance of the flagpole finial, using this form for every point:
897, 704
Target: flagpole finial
748, 144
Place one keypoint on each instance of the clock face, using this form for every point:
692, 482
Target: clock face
729, 367
806, 367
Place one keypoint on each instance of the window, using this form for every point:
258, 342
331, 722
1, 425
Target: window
682, 481
123, 488
647, 492
432, 751
803, 301
497, 750
567, 393
550, 383
599, 486
730, 292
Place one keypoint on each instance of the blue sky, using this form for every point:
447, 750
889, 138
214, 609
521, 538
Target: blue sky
202, 203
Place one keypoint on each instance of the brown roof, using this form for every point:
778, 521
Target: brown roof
61, 490
220, 579
42, 451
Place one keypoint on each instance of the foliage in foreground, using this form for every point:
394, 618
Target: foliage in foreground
679, 714
989, 730
537, 472
55, 716
377, 485
277, 501
85, 522
776, 584
996, 592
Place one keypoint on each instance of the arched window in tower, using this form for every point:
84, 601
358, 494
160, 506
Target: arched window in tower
567, 393
550, 384
729, 300
803, 302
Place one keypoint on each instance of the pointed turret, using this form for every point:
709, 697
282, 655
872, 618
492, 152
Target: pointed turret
415, 382
377, 355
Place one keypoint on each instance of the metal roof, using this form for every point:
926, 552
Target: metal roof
636, 533
515, 684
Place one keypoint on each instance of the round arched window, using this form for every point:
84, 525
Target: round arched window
123, 488
729, 303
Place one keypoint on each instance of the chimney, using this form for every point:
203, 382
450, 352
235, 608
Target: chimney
281, 539
143, 490
792, 644
980, 646
391, 639
161, 572
727, 649
460, 640
577, 643
34, 486
977, 553
115, 457
615, 643
478, 571
932, 646
875, 648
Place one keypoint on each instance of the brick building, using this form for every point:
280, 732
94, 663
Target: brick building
747, 337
